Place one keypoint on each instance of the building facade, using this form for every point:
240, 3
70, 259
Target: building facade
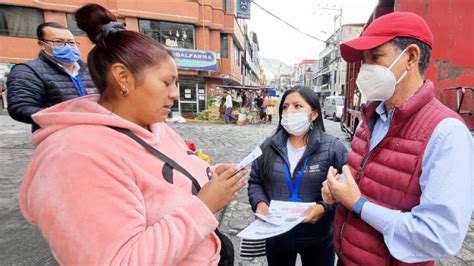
330, 74
302, 72
251, 62
205, 36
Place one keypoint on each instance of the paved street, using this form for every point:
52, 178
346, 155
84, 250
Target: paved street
21, 244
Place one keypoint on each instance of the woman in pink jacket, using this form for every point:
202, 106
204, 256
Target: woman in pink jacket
100, 197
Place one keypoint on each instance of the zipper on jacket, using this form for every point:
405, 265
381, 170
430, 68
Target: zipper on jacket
286, 160
359, 176
362, 166
283, 158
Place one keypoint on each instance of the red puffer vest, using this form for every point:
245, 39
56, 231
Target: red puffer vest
388, 175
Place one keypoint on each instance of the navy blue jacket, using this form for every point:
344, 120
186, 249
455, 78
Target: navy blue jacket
39, 84
323, 151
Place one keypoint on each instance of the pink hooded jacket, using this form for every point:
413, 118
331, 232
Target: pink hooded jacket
98, 197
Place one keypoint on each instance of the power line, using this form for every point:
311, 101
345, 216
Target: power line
287, 23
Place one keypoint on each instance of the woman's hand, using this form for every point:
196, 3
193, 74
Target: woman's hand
262, 208
314, 214
221, 189
222, 167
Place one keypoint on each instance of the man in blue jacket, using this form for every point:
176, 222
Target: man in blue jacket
56, 76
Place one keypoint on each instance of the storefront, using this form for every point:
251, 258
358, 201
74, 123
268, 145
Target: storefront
193, 89
180, 38
197, 39
192, 96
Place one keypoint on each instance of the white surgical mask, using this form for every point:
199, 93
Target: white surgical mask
376, 82
296, 123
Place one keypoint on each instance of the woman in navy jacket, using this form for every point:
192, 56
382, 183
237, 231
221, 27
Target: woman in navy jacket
299, 152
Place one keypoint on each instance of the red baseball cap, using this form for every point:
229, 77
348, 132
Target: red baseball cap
384, 29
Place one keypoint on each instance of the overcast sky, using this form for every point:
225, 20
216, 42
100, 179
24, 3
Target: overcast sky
279, 41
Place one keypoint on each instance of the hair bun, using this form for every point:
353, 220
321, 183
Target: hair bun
91, 18
111, 27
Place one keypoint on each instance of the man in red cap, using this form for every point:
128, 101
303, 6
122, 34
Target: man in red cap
406, 196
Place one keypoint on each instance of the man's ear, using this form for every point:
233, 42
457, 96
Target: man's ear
41, 45
414, 54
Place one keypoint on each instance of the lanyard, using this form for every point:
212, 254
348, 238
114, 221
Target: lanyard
78, 85
294, 189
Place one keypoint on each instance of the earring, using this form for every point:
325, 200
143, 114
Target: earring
311, 126
124, 91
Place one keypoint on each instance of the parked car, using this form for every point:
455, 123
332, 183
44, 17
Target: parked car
333, 107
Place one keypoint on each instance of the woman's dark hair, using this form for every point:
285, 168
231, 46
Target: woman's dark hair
133, 49
311, 98
269, 154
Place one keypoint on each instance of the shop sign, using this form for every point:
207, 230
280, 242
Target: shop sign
243, 8
195, 59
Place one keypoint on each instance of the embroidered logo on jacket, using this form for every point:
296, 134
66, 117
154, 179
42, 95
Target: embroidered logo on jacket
313, 169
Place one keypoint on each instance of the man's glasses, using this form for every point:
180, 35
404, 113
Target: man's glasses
61, 43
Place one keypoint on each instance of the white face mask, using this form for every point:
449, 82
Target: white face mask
296, 123
376, 82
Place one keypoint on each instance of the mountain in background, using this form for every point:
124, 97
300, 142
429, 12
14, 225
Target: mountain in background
274, 67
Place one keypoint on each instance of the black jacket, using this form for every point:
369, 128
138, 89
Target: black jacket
323, 151
39, 84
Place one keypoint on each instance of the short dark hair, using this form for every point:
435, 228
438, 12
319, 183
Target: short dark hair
403, 42
40, 32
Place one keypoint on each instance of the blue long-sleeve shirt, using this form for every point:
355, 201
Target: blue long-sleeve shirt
435, 228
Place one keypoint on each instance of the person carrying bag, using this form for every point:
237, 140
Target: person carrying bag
227, 248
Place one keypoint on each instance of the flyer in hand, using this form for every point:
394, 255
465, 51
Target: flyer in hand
284, 215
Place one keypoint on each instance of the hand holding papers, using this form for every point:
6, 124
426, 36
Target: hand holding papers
283, 217
272, 219
249, 159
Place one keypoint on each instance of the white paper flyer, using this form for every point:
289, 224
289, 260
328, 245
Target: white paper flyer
284, 216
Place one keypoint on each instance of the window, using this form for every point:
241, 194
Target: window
236, 54
326, 61
187, 91
224, 46
174, 35
19, 21
226, 6
72, 25
322, 80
